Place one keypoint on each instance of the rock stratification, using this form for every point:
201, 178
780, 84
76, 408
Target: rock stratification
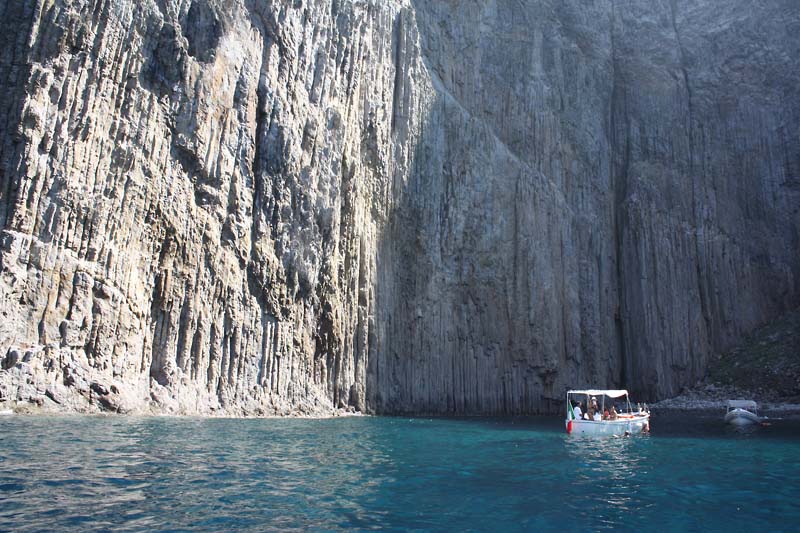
257, 207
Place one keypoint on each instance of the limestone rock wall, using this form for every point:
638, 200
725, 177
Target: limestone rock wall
706, 155
507, 290
608, 194
265, 206
191, 193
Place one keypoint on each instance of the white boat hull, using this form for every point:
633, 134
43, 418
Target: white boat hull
741, 417
609, 428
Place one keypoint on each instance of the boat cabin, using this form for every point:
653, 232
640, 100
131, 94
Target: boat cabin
747, 405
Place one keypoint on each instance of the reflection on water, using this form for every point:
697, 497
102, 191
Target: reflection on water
752, 430
609, 470
210, 475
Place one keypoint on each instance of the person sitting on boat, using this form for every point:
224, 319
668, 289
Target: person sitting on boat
612, 415
589, 415
606, 414
578, 411
597, 416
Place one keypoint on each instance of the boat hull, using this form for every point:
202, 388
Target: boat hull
741, 417
609, 428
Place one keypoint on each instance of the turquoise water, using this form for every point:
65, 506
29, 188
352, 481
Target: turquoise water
117, 474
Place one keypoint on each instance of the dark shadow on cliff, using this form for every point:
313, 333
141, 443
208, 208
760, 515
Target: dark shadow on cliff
466, 322
655, 274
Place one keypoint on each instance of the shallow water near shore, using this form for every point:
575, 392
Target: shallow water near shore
116, 473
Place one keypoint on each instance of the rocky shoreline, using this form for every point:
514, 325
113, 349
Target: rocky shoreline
13, 408
713, 397
35, 385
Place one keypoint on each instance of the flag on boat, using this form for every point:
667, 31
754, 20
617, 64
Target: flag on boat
570, 416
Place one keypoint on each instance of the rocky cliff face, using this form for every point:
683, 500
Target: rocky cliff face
256, 207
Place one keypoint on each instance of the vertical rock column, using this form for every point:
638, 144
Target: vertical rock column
191, 201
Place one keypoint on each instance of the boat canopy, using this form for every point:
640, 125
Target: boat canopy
609, 393
741, 404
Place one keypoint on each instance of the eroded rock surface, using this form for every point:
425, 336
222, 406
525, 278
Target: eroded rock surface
273, 207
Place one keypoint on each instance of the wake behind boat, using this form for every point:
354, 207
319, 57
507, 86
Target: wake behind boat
600, 420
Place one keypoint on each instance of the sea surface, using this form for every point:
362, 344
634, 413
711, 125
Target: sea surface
692, 473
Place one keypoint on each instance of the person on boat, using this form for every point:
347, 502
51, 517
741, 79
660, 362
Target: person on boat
578, 411
589, 413
594, 411
612, 415
606, 414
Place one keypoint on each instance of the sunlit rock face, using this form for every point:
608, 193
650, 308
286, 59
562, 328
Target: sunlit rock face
273, 207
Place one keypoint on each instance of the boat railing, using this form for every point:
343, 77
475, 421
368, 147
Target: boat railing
625, 414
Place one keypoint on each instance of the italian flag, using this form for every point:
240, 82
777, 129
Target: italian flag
570, 416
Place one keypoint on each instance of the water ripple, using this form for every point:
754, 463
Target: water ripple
158, 474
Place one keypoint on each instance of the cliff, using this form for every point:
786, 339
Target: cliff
257, 207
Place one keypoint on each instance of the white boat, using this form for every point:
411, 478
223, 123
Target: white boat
627, 422
742, 413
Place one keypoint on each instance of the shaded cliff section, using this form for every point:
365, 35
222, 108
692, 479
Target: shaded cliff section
610, 197
706, 146
765, 364
272, 207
